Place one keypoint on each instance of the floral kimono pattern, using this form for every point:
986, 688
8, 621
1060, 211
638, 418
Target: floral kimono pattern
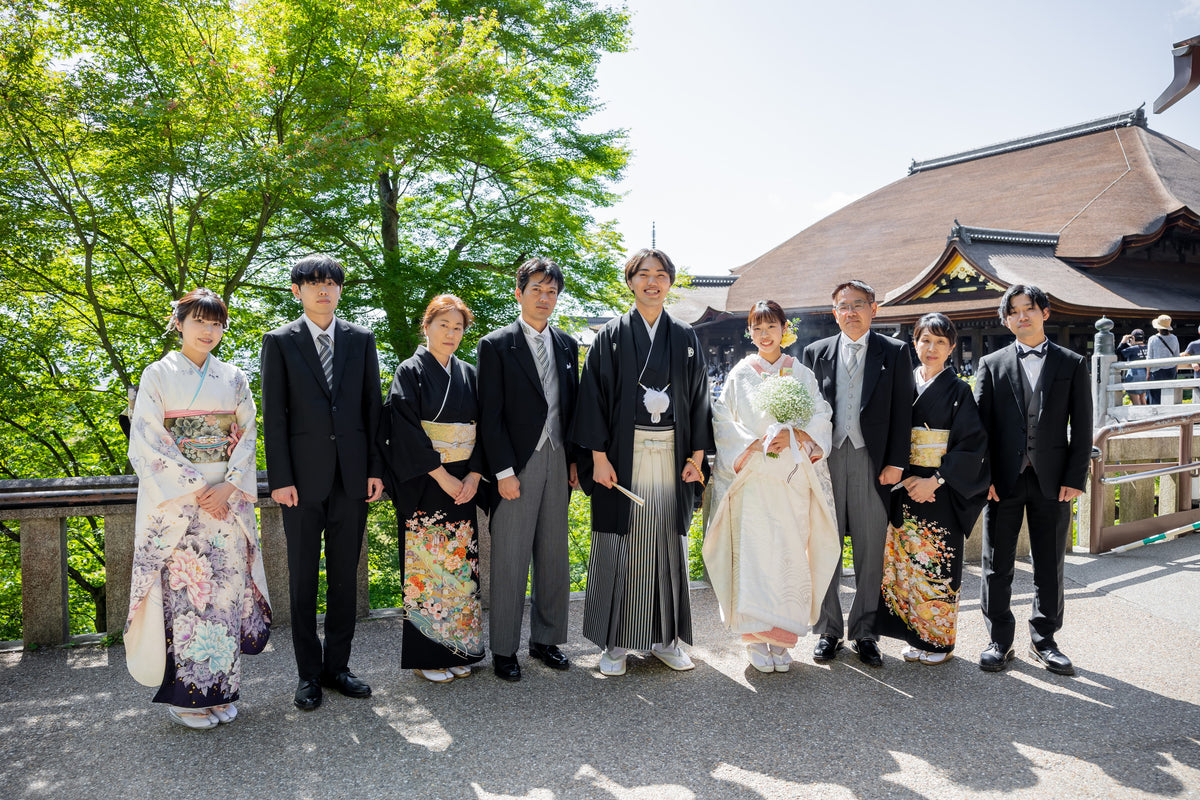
198, 597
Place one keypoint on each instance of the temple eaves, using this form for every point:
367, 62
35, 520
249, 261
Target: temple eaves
1123, 120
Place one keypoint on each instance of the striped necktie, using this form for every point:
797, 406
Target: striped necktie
326, 354
543, 359
855, 357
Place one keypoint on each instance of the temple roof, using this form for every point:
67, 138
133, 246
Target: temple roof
1086, 193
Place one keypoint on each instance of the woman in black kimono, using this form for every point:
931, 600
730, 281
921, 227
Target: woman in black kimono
434, 471
643, 421
944, 489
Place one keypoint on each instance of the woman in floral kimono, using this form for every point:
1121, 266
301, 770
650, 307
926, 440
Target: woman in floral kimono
935, 505
434, 471
773, 537
198, 599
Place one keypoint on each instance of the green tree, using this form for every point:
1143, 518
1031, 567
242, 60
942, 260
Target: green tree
148, 148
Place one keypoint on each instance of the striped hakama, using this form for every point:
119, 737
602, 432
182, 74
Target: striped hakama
637, 589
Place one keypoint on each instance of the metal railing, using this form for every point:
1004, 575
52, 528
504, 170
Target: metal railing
1105, 537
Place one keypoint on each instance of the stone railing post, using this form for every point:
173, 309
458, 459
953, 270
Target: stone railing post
1103, 357
46, 619
118, 566
275, 563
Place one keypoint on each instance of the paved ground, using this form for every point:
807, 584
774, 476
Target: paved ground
73, 724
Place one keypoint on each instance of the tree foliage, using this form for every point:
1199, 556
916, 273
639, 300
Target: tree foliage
150, 147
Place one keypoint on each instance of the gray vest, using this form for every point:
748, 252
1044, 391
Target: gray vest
849, 400
1033, 410
553, 428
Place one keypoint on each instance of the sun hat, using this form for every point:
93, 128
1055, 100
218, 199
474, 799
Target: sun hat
1162, 322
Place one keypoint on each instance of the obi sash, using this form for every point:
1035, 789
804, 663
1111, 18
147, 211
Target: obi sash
454, 441
203, 437
928, 445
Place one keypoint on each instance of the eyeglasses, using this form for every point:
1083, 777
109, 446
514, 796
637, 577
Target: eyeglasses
856, 306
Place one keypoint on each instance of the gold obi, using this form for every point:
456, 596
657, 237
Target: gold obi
928, 447
454, 441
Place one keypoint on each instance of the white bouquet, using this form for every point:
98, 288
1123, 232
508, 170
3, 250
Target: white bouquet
788, 401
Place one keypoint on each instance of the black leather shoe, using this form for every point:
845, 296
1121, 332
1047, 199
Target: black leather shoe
346, 683
308, 695
868, 652
550, 655
506, 668
995, 658
1052, 659
827, 648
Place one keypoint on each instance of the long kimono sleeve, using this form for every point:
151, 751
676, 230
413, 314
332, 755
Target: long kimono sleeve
700, 401
820, 427
590, 428
242, 471
410, 453
163, 473
733, 434
965, 464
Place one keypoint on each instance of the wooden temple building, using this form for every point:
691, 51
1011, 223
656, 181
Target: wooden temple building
1104, 216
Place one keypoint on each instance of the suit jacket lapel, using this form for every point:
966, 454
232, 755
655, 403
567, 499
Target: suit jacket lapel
562, 343
1012, 369
521, 350
873, 366
341, 351
304, 340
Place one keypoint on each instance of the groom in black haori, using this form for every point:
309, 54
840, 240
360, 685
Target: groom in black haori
644, 423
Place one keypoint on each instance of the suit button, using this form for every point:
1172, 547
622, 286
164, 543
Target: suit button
332, 436
335, 409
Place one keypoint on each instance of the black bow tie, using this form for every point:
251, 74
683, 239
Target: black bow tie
1039, 352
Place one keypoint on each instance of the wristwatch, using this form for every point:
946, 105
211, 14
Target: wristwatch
939, 477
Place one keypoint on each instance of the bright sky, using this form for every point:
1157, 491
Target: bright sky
751, 120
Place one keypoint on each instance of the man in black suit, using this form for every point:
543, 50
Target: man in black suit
868, 380
528, 379
321, 407
1035, 401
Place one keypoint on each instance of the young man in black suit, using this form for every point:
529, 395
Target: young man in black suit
1035, 401
321, 407
528, 380
868, 379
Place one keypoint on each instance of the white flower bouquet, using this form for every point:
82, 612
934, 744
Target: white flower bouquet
785, 399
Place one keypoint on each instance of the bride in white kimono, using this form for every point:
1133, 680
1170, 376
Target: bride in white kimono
774, 534
198, 598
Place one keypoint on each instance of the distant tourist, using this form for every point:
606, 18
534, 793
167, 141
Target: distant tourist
434, 469
945, 488
867, 378
1133, 348
644, 422
772, 544
1163, 344
198, 599
531, 371
1193, 349
1035, 401
321, 406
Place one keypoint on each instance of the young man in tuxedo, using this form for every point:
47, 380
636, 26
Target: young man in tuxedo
1035, 401
868, 379
321, 407
528, 380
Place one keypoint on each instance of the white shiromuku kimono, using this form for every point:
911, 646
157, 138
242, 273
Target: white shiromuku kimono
772, 546
198, 597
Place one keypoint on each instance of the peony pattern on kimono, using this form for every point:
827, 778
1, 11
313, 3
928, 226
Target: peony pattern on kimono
917, 579
440, 593
206, 602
